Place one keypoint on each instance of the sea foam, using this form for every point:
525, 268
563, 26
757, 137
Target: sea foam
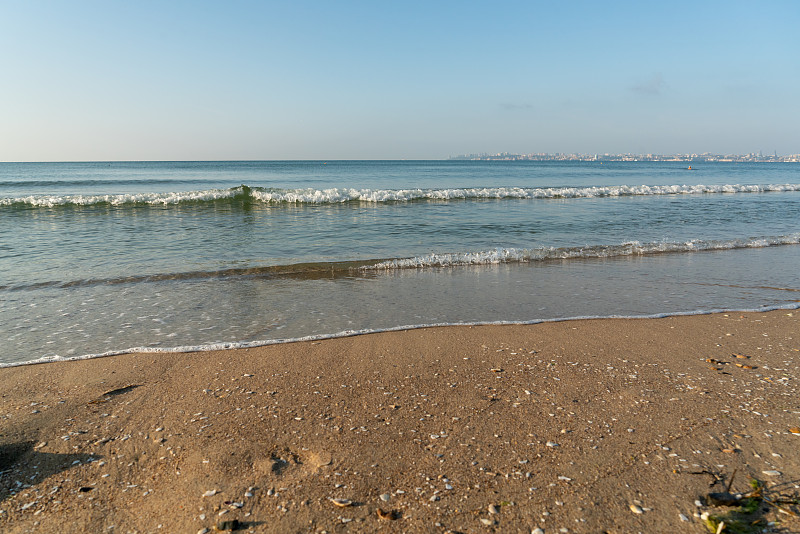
378, 196
525, 255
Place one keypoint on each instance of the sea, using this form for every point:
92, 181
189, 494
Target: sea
100, 258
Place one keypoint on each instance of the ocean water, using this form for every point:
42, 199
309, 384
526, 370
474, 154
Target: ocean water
104, 257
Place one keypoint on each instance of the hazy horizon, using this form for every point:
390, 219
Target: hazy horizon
453, 157
267, 81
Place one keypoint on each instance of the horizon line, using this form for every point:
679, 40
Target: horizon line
483, 156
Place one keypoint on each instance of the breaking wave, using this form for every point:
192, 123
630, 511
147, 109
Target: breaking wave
372, 267
271, 196
632, 248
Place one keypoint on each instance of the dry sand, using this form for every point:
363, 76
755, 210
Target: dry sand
579, 426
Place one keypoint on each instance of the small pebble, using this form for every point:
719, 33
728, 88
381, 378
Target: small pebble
385, 497
537, 530
772, 473
487, 522
636, 509
493, 509
683, 517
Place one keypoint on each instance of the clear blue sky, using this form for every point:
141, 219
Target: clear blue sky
174, 80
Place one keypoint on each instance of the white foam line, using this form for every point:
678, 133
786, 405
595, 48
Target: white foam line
345, 194
338, 195
351, 333
631, 248
50, 201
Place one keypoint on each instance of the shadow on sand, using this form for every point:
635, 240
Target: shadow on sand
21, 461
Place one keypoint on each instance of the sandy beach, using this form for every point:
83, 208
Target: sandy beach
613, 425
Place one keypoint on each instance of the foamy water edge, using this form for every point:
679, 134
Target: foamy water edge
351, 333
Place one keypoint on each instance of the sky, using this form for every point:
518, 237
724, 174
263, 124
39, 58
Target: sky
230, 80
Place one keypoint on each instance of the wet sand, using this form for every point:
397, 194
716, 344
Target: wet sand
616, 425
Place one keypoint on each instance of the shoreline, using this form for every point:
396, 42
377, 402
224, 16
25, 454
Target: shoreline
615, 424
235, 345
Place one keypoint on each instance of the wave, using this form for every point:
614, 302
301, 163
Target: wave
300, 271
271, 196
373, 267
631, 248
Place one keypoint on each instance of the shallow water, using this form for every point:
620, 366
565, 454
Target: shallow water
100, 257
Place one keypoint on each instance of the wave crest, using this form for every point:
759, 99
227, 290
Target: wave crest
373, 267
378, 196
632, 248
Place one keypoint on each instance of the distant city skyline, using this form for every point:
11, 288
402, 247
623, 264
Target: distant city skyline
627, 156
511, 156
316, 80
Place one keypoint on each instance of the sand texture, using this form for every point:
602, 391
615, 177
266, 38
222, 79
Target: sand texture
591, 426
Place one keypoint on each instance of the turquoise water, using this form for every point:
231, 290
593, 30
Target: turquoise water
102, 257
